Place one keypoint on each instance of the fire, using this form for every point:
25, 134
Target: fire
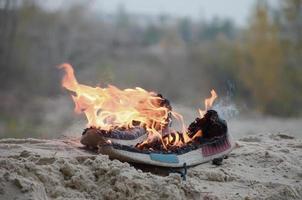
208, 103
110, 108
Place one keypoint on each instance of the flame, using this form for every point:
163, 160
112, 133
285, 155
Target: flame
208, 103
180, 139
110, 108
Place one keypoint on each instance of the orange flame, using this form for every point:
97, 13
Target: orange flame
208, 103
109, 108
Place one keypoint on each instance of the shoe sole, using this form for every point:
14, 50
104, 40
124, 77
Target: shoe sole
206, 153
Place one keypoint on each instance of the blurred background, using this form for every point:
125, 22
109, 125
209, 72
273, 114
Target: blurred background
249, 51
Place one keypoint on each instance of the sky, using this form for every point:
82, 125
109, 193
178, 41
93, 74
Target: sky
236, 10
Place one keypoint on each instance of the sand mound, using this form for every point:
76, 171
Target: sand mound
261, 167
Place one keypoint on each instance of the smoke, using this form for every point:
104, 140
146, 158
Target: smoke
224, 105
226, 109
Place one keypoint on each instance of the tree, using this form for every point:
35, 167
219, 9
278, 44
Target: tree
290, 25
8, 24
217, 27
185, 29
152, 35
261, 62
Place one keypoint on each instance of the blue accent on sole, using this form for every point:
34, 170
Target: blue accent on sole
165, 158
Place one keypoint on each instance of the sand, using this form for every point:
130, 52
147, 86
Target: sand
267, 166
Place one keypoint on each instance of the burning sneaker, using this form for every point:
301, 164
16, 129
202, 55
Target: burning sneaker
208, 141
133, 125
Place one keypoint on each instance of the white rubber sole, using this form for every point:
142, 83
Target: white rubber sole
203, 154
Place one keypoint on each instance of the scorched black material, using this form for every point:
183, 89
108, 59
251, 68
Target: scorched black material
211, 126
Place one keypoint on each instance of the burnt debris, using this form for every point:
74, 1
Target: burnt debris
211, 126
163, 102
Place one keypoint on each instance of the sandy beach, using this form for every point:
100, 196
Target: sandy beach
260, 167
